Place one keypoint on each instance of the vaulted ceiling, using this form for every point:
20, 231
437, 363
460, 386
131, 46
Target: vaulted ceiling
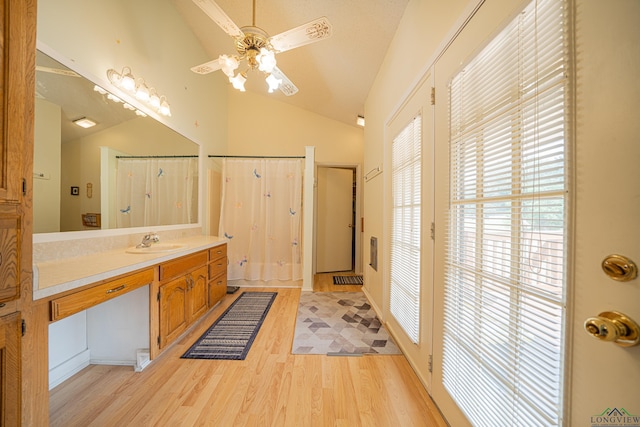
333, 75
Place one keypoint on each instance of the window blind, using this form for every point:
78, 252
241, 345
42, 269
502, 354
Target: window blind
506, 234
406, 159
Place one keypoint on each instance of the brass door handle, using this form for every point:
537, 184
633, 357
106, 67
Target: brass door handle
614, 326
119, 288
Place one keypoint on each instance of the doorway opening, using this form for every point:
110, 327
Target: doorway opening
336, 225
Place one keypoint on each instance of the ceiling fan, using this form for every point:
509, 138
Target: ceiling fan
258, 49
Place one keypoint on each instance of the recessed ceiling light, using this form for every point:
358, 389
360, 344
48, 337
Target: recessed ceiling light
360, 121
84, 122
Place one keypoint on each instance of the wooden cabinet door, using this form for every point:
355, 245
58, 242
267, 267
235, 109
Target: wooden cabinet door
9, 257
173, 309
17, 34
10, 379
198, 298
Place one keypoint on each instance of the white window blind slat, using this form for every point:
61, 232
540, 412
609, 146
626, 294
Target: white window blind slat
506, 241
404, 301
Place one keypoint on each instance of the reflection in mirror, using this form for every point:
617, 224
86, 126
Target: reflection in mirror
127, 170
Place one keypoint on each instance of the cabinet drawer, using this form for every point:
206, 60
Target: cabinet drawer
218, 252
218, 267
217, 289
180, 266
74, 303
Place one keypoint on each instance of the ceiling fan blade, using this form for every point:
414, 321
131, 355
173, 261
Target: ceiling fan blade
207, 67
218, 16
310, 32
286, 86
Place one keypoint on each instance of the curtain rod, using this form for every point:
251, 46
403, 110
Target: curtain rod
257, 157
156, 157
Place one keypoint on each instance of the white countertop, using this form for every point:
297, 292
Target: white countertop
53, 277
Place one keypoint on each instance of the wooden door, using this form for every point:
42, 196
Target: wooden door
173, 310
10, 333
334, 235
198, 295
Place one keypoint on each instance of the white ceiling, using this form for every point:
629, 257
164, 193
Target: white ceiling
333, 75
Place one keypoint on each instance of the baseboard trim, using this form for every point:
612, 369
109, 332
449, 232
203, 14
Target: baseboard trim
69, 368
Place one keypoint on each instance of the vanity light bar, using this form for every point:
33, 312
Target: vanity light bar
118, 100
126, 81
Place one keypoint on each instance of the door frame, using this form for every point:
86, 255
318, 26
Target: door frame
357, 240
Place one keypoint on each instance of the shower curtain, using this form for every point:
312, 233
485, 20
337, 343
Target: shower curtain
156, 191
261, 216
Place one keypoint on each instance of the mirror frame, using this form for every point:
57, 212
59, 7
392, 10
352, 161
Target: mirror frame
104, 82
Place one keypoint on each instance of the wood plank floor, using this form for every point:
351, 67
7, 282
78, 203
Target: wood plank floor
271, 387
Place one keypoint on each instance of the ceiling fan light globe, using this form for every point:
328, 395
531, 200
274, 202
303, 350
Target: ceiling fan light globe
238, 82
273, 82
266, 60
228, 64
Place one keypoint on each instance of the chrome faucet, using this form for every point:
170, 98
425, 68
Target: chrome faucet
148, 240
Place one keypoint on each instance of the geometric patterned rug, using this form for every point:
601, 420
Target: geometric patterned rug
339, 323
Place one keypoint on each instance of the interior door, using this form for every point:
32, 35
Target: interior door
334, 233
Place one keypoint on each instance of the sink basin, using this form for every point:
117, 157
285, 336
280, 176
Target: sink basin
157, 248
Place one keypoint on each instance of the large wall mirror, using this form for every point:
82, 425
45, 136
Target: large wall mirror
128, 170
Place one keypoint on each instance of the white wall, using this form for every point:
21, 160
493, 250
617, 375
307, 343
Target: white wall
46, 189
405, 62
260, 125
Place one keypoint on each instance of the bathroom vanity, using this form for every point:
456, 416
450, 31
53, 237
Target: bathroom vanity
130, 304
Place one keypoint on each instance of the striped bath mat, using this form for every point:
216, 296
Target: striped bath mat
230, 337
347, 280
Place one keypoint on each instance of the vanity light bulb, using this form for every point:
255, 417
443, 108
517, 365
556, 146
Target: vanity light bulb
164, 109
128, 83
113, 98
142, 93
154, 101
100, 90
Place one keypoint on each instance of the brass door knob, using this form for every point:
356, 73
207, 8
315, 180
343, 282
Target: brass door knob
613, 326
